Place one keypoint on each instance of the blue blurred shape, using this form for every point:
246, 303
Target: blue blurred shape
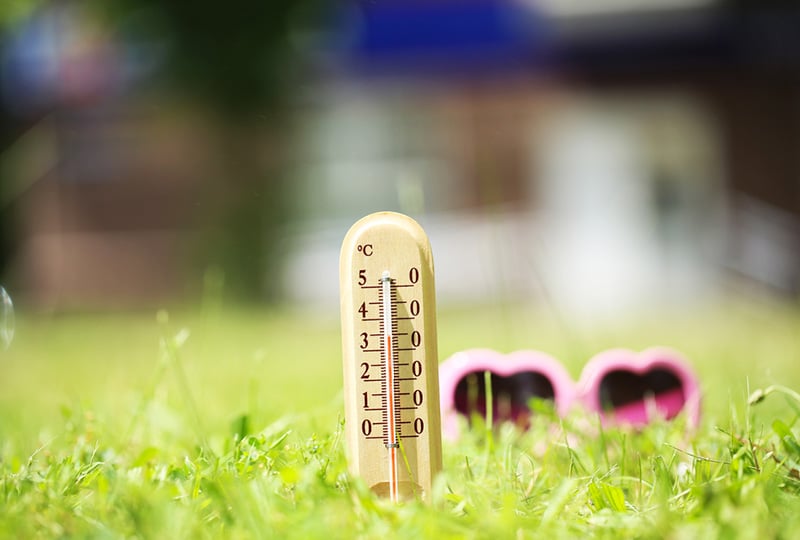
445, 34
30, 64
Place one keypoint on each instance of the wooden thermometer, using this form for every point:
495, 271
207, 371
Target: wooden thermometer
391, 384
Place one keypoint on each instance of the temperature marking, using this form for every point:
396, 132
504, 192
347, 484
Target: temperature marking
390, 359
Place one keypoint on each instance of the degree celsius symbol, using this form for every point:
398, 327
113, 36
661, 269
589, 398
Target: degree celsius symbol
390, 359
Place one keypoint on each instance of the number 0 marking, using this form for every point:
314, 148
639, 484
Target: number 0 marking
417, 397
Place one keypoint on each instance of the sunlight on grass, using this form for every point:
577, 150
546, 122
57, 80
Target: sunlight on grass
230, 426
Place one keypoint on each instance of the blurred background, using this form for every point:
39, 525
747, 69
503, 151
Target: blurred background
595, 157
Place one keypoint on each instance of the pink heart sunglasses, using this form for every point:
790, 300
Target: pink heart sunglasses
621, 385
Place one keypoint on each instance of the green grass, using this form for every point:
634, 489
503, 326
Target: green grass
229, 425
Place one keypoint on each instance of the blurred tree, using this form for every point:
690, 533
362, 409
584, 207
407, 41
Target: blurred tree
238, 60
236, 56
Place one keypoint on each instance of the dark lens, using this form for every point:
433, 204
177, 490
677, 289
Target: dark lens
510, 395
620, 388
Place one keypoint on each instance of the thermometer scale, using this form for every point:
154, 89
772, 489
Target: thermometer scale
391, 385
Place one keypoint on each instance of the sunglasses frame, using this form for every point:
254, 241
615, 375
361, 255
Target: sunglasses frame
639, 363
568, 393
464, 363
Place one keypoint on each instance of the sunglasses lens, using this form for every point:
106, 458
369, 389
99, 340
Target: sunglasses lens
635, 397
510, 395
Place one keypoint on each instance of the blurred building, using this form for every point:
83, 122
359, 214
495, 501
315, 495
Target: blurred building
603, 155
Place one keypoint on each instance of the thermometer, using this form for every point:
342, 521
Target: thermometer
391, 385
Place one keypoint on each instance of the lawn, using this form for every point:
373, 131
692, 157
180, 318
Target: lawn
229, 424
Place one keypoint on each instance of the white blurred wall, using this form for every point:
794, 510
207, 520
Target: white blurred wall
624, 208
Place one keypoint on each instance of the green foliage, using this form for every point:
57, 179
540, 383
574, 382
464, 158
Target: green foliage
238, 57
12, 11
202, 438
